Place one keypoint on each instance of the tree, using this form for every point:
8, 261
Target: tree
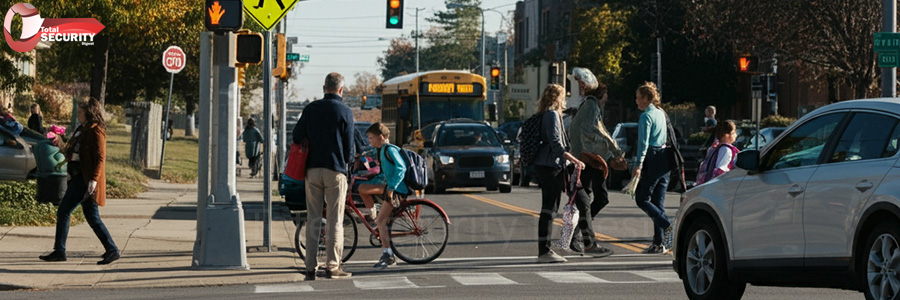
834, 37
454, 43
398, 59
11, 81
364, 84
603, 36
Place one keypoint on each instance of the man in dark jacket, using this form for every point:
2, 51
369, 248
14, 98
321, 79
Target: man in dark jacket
327, 126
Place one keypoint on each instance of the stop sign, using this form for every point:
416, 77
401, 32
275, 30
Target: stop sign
173, 59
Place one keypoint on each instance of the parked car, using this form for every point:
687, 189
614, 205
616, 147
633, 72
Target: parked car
625, 135
466, 154
16, 154
818, 206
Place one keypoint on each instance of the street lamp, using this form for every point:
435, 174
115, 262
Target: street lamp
457, 5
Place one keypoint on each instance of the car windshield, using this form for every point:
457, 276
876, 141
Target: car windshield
434, 111
468, 136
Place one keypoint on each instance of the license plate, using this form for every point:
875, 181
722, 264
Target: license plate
476, 174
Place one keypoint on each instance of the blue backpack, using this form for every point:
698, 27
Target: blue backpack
416, 170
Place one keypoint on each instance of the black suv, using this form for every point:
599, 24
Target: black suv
465, 153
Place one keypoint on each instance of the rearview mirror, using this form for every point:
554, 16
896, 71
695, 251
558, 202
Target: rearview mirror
748, 160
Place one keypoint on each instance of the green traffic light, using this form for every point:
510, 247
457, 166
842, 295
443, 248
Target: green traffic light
394, 20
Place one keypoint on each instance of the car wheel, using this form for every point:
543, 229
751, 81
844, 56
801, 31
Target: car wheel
879, 263
702, 264
505, 188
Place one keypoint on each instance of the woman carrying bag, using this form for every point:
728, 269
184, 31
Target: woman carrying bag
549, 162
652, 165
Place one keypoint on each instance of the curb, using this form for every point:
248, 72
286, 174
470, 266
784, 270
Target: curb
10, 287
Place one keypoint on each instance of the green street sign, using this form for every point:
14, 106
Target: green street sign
887, 59
292, 56
304, 58
886, 41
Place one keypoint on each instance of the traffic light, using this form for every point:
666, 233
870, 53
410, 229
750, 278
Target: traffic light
280, 70
394, 14
223, 15
240, 76
249, 48
748, 64
495, 78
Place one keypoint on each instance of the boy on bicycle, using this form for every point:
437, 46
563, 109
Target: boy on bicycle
389, 182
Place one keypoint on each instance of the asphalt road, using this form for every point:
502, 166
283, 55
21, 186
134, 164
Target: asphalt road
491, 254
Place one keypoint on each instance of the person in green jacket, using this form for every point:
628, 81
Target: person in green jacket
588, 135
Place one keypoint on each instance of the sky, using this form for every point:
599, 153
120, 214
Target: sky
347, 36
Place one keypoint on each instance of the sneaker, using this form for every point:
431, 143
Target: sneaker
598, 251
109, 257
53, 256
337, 274
655, 249
669, 237
551, 257
385, 261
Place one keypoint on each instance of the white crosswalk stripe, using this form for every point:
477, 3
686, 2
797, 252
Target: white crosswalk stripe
485, 279
481, 279
571, 277
384, 283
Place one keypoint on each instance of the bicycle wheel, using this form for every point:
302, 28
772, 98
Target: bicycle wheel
419, 231
349, 239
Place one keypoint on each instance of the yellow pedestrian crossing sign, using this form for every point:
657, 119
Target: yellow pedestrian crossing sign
268, 12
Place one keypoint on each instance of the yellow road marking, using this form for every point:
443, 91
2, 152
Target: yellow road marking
635, 247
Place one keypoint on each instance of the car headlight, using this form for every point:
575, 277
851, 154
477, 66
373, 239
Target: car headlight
502, 158
446, 159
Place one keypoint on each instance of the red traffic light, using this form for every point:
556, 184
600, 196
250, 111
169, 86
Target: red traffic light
495, 71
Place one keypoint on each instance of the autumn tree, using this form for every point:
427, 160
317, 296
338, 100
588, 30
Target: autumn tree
364, 84
398, 59
602, 39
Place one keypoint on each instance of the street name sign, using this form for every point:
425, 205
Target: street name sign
268, 12
887, 59
292, 56
173, 59
886, 41
304, 58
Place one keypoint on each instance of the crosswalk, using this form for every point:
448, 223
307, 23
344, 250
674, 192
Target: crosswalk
376, 282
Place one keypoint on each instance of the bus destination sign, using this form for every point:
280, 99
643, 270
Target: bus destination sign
449, 88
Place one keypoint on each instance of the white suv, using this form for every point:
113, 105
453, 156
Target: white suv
817, 207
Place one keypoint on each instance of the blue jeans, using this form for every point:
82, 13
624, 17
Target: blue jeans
74, 197
650, 194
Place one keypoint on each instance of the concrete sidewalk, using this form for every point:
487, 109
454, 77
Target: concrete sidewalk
156, 233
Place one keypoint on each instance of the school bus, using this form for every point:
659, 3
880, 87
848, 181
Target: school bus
419, 99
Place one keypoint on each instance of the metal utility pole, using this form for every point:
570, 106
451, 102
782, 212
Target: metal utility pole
267, 134
889, 24
222, 244
659, 66
203, 151
417, 38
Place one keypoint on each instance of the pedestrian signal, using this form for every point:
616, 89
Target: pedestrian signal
748, 64
249, 48
223, 15
394, 14
495, 78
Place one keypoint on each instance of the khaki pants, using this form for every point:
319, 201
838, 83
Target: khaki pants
328, 189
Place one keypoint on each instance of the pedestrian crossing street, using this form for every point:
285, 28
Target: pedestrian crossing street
452, 279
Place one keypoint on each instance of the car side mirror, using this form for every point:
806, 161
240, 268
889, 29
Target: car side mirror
748, 160
428, 144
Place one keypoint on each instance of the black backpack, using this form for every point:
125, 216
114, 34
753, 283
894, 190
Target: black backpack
530, 139
416, 177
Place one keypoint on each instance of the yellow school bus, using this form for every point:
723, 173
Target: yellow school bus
415, 100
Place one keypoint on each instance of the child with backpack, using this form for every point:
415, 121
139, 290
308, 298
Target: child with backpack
721, 156
389, 182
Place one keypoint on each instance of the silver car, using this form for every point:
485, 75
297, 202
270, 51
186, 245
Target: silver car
818, 206
16, 158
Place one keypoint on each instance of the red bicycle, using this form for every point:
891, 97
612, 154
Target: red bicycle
419, 230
